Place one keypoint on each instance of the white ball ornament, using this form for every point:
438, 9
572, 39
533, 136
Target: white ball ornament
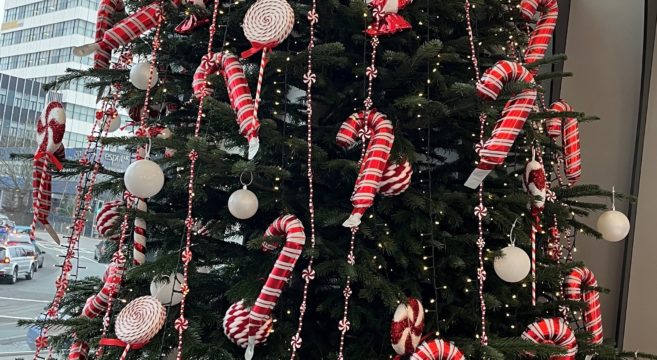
243, 203
167, 289
139, 75
514, 266
613, 225
113, 124
144, 178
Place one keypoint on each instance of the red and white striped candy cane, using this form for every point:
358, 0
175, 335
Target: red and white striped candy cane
378, 128
139, 235
238, 93
51, 127
570, 137
107, 10
542, 34
553, 331
583, 277
438, 350
124, 32
515, 113
260, 313
97, 304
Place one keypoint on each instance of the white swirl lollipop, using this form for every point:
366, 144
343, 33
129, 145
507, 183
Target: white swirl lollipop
140, 320
268, 22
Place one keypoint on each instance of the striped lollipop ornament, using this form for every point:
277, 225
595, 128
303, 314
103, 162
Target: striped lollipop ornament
266, 24
376, 127
51, 126
137, 324
396, 178
553, 331
494, 151
260, 313
575, 281
438, 350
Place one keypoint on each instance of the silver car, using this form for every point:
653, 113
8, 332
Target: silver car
17, 260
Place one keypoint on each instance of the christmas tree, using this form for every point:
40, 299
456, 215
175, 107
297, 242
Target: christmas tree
405, 69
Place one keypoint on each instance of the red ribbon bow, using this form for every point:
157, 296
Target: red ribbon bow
256, 47
53, 159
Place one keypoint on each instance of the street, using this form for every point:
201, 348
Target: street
27, 298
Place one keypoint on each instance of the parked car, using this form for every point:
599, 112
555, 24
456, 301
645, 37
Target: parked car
13, 238
17, 260
40, 256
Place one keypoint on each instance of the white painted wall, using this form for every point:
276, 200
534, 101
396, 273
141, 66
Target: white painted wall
605, 48
641, 317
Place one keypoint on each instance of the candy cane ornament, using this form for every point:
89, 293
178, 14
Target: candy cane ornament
438, 350
97, 304
107, 10
553, 331
575, 281
139, 235
540, 38
238, 93
515, 113
570, 137
375, 126
407, 326
259, 315
51, 127
123, 32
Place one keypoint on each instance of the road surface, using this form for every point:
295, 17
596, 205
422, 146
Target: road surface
27, 298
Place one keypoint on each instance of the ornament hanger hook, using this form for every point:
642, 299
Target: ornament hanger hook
613, 198
512, 237
242, 179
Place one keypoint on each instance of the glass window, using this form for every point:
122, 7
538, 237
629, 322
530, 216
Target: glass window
2, 253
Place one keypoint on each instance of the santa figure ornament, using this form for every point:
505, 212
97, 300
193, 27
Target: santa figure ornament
534, 182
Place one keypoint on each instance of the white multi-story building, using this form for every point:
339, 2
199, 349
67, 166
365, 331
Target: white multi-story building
36, 42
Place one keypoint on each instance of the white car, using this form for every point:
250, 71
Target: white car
17, 260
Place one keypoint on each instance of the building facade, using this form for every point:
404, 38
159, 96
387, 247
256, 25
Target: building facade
36, 43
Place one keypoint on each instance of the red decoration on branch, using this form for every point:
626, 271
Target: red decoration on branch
553, 331
540, 38
389, 21
376, 127
569, 132
108, 218
238, 93
535, 183
396, 178
515, 113
407, 326
107, 10
578, 279
438, 350
260, 313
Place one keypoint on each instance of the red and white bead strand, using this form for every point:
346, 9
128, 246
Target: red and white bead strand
181, 323
308, 274
371, 72
480, 209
